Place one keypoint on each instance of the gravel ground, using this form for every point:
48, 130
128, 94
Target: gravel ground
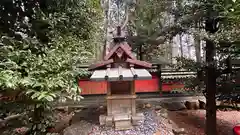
194, 121
149, 126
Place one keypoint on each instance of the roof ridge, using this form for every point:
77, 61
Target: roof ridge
126, 48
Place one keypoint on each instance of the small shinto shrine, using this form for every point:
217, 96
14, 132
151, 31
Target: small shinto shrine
120, 68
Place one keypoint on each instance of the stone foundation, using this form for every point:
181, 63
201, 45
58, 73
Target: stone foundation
137, 118
121, 122
102, 120
109, 121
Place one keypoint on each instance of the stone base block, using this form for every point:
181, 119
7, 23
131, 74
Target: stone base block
122, 122
109, 121
137, 118
123, 125
121, 117
102, 120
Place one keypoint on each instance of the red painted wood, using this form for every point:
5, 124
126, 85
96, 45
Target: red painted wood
166, 87
92, 87
147, 85
236, 130
171, 86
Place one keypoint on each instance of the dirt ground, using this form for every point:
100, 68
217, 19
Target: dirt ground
194, 121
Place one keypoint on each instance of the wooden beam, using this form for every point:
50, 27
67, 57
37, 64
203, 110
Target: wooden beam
127, 50
100, 64
114, 49
139, 63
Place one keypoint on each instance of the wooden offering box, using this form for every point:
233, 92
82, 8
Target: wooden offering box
120, 68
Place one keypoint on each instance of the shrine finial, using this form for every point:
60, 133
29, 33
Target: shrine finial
119, 31
119, 37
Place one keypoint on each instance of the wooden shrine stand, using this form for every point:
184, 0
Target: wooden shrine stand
120, 69
121, 108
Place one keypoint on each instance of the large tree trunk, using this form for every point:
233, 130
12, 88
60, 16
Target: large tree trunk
197, 45
197, 42
211, 71
210, 89
204, 50
107, 30
181, 44
189, 47
171, 50
105, 9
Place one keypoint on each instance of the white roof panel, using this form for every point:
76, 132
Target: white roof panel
98, 75
143, 74
127, 74
114, 75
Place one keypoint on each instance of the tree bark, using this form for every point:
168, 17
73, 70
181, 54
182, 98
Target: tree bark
181, 45
107, 27
204, 50
197, 44
197, 48
211, 72
189, 46
105, 7
171, 50
210, 89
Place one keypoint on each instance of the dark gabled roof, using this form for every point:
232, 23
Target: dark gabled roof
100, 64
124, 46
120, 48
139, 63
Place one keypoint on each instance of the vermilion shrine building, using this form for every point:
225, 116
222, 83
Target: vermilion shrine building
160, 82
120, 69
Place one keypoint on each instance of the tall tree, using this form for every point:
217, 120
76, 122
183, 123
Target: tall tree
42, 44
197, 45
226, 12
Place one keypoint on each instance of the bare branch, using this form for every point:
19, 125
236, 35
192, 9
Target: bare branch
180, 26
12, 117
126, 20
169, 31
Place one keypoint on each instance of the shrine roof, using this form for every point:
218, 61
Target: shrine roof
100, 64
120, 63
120, 74
123, 46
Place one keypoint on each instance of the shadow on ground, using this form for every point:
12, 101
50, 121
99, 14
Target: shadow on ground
90, 114
194, 122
